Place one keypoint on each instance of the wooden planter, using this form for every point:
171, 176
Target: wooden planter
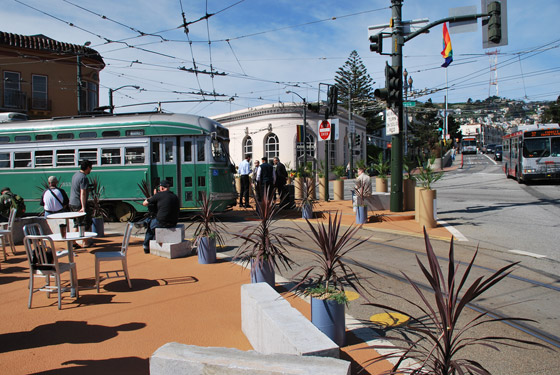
381, 185
417, 190
323, 193
427, 209
238, 184
298, 183
338, 187
409, 194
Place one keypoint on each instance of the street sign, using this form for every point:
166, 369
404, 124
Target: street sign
324, 130
335, 128
391, 122
409, 104
352, 125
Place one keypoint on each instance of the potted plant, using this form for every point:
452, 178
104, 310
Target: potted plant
427, 196
326, 278
264, 248
207, 233
98, 213
382, 167
409, 185
338, 186
434, 341
307, 202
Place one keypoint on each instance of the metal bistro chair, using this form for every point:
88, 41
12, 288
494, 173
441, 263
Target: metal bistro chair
114, 256
35, 229
7, 232
43, 262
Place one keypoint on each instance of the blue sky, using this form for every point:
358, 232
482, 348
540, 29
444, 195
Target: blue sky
267, 47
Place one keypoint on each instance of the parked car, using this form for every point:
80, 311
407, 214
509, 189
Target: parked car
498, 153
490, 148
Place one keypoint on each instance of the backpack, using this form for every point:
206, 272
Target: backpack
17, 203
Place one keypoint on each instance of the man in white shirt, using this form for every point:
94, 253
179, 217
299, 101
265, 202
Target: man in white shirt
244, 172
54, 199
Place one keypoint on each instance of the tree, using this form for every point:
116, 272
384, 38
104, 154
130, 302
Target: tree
552, 113
353, 80
424, 128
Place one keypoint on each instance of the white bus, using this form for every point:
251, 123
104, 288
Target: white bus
532, 152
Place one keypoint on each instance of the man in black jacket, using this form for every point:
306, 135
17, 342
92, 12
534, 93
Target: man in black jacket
266, 178
167, 212
281, 178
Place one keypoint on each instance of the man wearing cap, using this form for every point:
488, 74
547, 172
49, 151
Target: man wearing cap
167, 204
54, 199
79, 192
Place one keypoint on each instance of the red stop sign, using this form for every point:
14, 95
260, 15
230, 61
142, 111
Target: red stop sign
325, 130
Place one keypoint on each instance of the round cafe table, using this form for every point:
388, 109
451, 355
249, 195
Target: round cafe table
66, 216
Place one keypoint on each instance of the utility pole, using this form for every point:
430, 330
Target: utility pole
79, 81
396, 204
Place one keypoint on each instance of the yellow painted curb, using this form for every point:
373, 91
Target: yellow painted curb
389, 319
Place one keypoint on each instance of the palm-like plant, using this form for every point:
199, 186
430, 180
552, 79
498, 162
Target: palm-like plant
308, 187
331, 271
263, 244
381, 166
96, 201
207, 223
427, 175
438, 339
339, 171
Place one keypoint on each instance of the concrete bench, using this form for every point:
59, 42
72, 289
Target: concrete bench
170, 243
378, 201
272, 325
178, 359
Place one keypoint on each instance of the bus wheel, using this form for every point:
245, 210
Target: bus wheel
517, 177
124, 212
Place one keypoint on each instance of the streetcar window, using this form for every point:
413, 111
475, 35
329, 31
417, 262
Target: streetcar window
536, 147
111, 133
110, 156
88, 154
65, 157
188, 196
134, 132
22, 138
22, 159
88, 135
4, 139
200, 151
218, 151
188, 181
43, 158
187, 151
65, 136
168, 151
43, 137
5, 160
156, 158
134, 155
555, 146
201, 181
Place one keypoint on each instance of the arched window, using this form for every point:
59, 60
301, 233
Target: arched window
310, 147
271, 146
247, 147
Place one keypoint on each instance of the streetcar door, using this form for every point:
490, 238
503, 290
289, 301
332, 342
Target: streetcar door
164, 162
194, 179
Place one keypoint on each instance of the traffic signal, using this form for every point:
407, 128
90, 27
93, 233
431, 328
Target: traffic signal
332, 100
495, 22
357, 140
392, 93
314, 107
376, 43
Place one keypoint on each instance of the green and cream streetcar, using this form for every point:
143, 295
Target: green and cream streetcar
189, 151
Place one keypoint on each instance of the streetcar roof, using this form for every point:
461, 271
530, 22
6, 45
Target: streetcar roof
202, 124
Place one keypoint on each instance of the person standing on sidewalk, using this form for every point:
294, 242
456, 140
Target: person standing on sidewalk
266, 178
244, 172
254, 175
281, 178
79, 197
167, 212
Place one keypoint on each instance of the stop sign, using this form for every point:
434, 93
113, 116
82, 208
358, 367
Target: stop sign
325, 130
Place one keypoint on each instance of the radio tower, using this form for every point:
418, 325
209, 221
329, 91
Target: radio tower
493, 72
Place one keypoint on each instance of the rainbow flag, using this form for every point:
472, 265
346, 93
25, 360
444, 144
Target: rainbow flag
447, 52
299, 133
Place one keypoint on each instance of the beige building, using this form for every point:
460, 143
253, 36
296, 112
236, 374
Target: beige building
40, 76
272, 130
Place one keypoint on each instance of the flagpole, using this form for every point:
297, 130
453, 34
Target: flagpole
446, 101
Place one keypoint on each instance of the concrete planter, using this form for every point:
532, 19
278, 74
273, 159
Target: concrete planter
381, 185
417, 190
238, 184
338, 187
427, 208
409, 194
323, 188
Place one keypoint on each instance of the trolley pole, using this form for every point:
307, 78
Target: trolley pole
396, 204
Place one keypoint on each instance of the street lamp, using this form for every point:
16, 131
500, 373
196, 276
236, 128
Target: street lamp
304, 126
111, 91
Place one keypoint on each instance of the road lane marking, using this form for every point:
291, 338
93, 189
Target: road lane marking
493, 161
521, 252
458, 235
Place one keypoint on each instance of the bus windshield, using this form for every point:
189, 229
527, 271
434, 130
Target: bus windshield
468, 142
536, 148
